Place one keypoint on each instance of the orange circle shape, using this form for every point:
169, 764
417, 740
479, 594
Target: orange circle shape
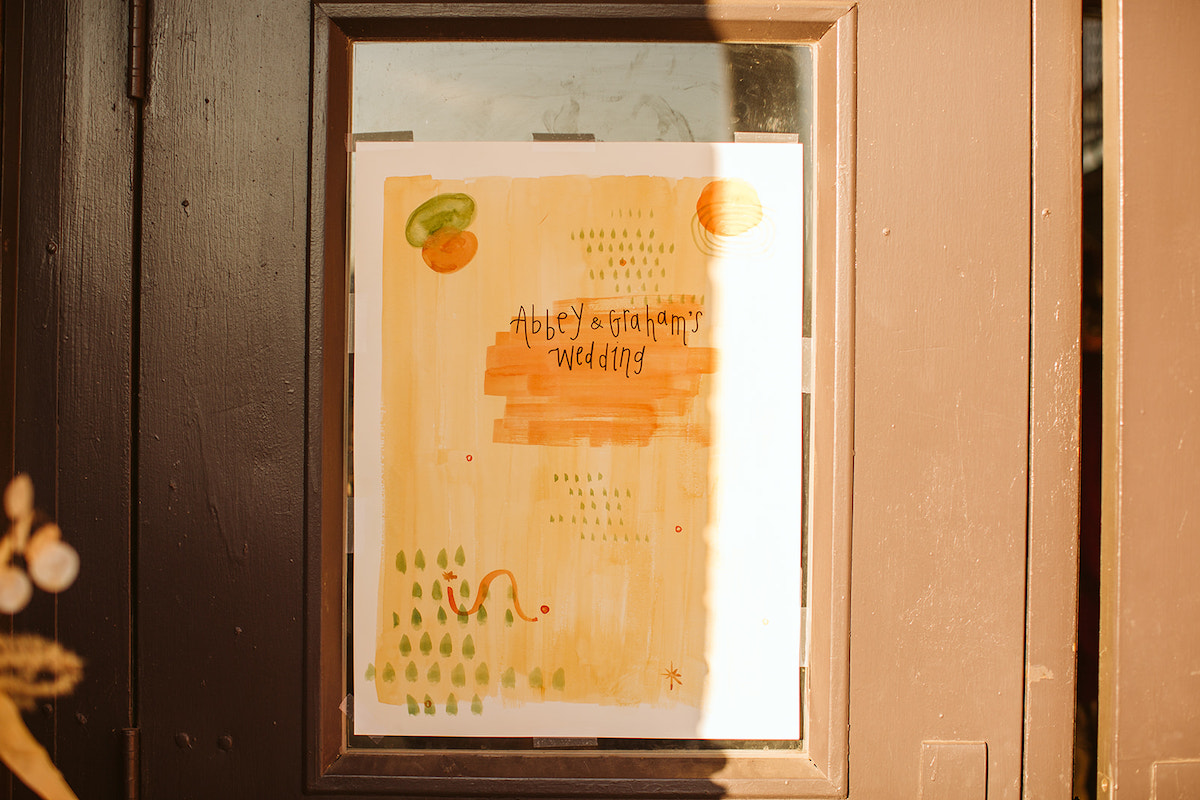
449, 249
728, 207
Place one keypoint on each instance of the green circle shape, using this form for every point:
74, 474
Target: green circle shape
453, 209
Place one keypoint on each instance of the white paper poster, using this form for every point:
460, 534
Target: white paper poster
577, 439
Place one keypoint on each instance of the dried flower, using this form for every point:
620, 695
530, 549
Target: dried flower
52, 563
32, 667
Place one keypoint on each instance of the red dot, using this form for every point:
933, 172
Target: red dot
679, 529
545, 609
470, 457
429, 704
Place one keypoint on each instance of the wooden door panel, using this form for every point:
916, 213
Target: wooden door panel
942, 377
221, 423
1149, 740
69, 162
941, 394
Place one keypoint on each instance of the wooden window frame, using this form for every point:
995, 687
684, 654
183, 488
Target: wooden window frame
818, 771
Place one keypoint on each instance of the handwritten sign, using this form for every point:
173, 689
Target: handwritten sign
578, 440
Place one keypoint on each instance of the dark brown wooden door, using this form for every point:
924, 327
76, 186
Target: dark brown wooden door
165, 349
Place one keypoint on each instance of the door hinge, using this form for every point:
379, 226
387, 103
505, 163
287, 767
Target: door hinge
133, 770
138, 23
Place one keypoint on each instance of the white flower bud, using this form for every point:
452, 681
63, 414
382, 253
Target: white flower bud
53, 564
18, 497
15, 590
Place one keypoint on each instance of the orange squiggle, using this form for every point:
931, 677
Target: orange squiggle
483, 590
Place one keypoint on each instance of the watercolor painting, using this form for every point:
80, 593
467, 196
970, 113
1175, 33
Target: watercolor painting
577, 441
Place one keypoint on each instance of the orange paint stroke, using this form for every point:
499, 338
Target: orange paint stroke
483, 590
673, 676
449, 250
729, 207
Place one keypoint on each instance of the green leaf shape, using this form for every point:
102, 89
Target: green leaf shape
464, 591
416, 592
445, 647
430, 708
482, 615
558, 681
451, 209
441, 616
410, 672
435, 591
419, 560
401, 562
482, 676
508, 615
451, 704
405, 645
443, 560
535, 679
370, 673
389, 673
458, 675
434, 675
468, 647
414, 707
395, 620
426, 644
509, 679
416, 618
476, 705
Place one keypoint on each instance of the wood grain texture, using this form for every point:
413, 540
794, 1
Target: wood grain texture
221, 445
325, 577
1149, 643
74, 390
38, 312
941, 389
1054, 406
95, 442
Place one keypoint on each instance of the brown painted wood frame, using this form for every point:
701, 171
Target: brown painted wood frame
820, 770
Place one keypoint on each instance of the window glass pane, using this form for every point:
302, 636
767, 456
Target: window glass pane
625, 92
619, 92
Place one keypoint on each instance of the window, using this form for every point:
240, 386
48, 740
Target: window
436, 683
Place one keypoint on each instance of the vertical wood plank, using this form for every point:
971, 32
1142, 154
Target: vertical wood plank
1054, 408
1150, 643
38, 311
941, 389
73, 361
221, 440
95, 395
